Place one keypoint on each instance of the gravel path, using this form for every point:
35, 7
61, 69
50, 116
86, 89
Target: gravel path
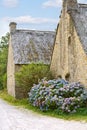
12, 118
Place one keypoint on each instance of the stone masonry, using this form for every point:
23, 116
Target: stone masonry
69, 59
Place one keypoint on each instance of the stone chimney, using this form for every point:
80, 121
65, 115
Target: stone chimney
70, 5
12, 26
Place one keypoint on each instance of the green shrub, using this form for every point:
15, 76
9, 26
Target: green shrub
58, 94
3, 59
1, 83
5, 80
31, 74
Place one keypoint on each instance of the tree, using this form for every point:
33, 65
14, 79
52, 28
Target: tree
3, 58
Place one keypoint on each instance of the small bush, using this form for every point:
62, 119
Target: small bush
31, 74
58, 94
5, 80
1, 83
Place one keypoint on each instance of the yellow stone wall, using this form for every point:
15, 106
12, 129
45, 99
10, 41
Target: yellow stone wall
10, 71
69, 60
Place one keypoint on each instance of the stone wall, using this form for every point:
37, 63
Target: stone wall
80, 73
59, 63
10, 71
69, 60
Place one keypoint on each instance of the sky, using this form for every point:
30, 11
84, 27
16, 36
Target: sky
30, 14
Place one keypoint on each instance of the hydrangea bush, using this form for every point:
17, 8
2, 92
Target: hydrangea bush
58, 94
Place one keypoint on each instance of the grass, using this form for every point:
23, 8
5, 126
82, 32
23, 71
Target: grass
81, 114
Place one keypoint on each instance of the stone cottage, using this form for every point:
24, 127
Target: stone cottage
69, 59
26, 46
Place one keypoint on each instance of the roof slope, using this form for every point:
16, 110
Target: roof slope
32, 46
80, 20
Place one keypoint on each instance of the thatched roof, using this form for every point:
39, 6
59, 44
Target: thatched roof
80, 20
32, 46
